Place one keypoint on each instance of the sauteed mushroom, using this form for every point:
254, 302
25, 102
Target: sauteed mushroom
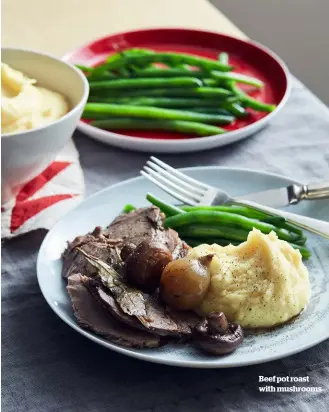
127, 250
144, 266
217, 336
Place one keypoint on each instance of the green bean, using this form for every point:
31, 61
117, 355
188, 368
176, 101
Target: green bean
230, 108
151, 72
118, 110
300, 241
91, 76
209, 82
101, 73
119, 56
257, 105
250, 101
213, 110
179, 126
123, 72
202, 92
128, 208
170, 72
237, 110
223, 58
251, 213
203, 110
171, 102
306, 253
274, 220
237, 77
84, 68
201, 233
198, 230
175, 103
229, 219
237, 209
170, 59
166, 208
106, 76
230, 105
182, 66
128, 53
292, 228
145, 83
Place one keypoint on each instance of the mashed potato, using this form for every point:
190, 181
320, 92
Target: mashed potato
26, 106
260, 283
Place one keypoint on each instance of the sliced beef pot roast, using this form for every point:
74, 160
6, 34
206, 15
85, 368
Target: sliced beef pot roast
157, 318
90, 315
130, 229
97, 307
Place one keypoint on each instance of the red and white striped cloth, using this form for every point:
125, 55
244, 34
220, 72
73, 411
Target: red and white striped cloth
43, 200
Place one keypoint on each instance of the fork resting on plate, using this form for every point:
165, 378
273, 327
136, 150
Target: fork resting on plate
192, 192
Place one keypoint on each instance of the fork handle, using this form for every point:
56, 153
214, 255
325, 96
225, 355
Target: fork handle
319, 227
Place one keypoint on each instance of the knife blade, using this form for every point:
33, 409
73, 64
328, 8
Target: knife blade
274, 197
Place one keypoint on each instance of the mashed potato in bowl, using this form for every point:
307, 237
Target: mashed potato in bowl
260, 283
24, 105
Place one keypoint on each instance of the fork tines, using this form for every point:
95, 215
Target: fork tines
182, 187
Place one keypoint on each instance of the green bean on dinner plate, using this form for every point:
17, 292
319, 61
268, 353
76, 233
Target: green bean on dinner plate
83, 68
131, 83
179, 126
169, 72
198, 230
169, 58
237, 77
206, 92
118, 110
223, 58
250, 101
206, 233
229, 219
170, 102
237, 209
128, 208
166, 208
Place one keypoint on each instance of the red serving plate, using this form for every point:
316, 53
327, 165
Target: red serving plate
247, 57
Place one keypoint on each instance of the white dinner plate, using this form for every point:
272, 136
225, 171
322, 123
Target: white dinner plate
309, 329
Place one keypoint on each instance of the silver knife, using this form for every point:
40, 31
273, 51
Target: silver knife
289, 195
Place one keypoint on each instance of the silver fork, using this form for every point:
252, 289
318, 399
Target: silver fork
192, 192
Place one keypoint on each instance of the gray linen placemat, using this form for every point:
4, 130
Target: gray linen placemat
46, 366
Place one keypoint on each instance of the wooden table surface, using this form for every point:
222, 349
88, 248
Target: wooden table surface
59, 26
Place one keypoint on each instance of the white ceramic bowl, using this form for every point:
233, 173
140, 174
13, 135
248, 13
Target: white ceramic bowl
26, 154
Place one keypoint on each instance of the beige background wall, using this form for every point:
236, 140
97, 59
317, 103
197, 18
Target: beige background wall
298, 30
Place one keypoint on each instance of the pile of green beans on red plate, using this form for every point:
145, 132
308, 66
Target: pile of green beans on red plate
141, 89
224, 225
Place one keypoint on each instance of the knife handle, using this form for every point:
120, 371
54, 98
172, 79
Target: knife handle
318, 190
